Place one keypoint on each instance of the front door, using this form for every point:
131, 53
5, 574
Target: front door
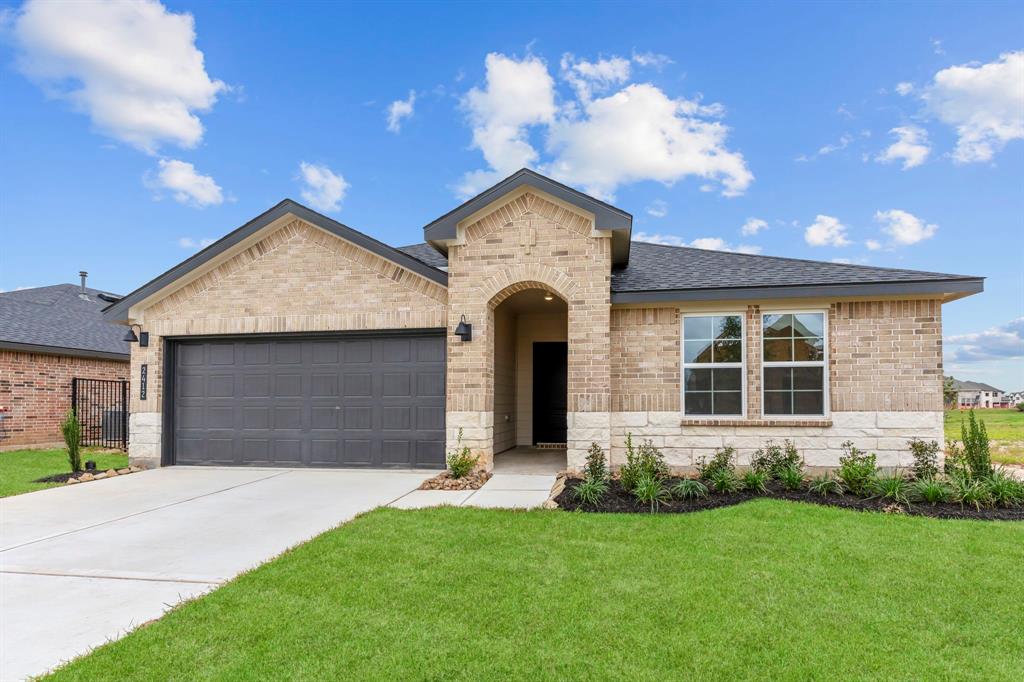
550, 385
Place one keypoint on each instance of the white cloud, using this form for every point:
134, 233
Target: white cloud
518, 94
187, 185
911, 146
657, 209
984, 103
189, 243
997, 343
637, 133
588, 78
753, 226
904, 88
937, 46
708, 243
873, 244
324, 189
904, 228
400, 109
826, 231
844, 141
652, 59
131, 66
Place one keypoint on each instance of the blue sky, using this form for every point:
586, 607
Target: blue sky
891, 135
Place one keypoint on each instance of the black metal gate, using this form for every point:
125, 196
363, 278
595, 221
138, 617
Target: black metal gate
102, 409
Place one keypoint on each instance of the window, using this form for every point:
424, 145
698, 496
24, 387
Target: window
713, 365
793, 364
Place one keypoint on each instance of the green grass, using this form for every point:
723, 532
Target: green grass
19, 468
1005, 430
764, 590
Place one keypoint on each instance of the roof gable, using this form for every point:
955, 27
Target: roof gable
606, 217
287, 208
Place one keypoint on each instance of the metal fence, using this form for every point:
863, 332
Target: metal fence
102, 409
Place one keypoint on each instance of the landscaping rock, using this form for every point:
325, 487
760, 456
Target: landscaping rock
110, 472
98, 477
134, 469
126, 470
444, 481
71, 480
86, 477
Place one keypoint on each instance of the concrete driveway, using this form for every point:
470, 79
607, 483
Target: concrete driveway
83, 564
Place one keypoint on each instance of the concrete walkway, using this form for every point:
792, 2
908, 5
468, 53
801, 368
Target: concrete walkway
83, 564
505, 491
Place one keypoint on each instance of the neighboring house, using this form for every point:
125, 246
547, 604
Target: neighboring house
976, 394
1013, 399
527, 317
48, 336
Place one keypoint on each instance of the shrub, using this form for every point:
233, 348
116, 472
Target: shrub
955, 465
652, 490
967, 490
791, 477
1003, 490
722, 460
725, 481
892, 487
930, 490
825, 485
591, 490
72, 432
1020, 407
774, 458
461, 460
756, 481
975, 444
641, 462
857, 470
926, 458
690, 489
596, 468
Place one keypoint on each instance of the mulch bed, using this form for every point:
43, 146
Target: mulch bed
55, 478
618, 500
444, 481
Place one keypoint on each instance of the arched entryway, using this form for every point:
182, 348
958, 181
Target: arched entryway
531, 361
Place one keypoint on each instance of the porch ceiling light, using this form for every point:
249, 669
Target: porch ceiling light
465, 330
548, 296
142, 339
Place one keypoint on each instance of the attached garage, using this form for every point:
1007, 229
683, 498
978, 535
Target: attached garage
354, 400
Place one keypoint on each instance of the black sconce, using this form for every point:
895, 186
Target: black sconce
142, 338
465, 330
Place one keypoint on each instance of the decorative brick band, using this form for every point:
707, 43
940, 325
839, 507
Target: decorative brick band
756, 422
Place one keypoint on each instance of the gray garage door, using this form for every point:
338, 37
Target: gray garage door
324, 402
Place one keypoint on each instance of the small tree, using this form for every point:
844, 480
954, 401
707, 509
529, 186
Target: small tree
596, 468
72, 431
949, 392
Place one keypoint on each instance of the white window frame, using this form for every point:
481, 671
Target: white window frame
823, 363
741, 365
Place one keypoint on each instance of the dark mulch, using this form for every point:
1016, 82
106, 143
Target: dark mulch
56, 478
618, 500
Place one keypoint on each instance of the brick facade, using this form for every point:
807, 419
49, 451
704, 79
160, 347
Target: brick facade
529, 242
37, 389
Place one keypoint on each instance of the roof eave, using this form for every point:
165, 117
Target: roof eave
17, 346
949, 289
118, 312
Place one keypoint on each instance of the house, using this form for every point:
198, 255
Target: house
49, 336
527, 317
1013, 399
971, 394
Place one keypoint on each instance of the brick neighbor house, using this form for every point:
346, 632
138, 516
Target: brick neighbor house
48, 336
527, 317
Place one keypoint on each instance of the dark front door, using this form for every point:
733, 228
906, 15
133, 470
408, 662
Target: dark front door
550, 385
351, 401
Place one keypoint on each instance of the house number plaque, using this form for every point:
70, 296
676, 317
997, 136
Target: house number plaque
143, 375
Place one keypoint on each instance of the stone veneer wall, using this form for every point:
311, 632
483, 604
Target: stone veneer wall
36, 387
530, 242
885, 379
297, 278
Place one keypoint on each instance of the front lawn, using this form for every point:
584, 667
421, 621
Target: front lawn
20, 468
764, 590
1005, 430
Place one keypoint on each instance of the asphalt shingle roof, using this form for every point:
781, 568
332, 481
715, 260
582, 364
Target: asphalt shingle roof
57, 316
656, 267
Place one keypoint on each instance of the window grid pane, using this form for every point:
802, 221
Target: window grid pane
790, 341
713, 341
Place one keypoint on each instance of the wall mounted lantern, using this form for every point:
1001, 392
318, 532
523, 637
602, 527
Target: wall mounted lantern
142, 339
465, 330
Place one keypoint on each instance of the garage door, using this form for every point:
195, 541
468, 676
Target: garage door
356, 401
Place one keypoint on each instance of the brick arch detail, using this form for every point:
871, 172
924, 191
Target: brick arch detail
499, 287
526, 207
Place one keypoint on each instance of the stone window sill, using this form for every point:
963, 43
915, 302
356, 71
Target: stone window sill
757, 422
